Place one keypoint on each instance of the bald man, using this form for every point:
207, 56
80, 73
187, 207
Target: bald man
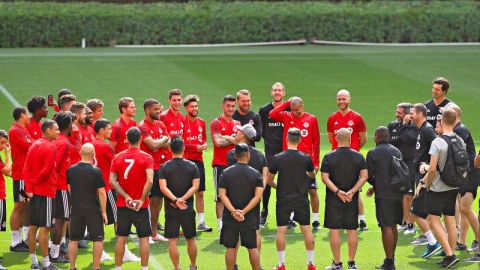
88, 201
344, 171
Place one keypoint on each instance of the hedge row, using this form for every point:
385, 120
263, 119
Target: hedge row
64, 25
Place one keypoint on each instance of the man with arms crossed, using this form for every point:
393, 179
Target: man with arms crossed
131, 175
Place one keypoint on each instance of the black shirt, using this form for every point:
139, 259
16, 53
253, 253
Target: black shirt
379, 163
404, 137
343, 166
462, 131
434, 112
241, 181
179, 174
272, 131
84, 180
425, 137
292, 182
253, 119
257, 159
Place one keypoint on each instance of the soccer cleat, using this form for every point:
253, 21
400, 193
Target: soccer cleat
19, 248
105, 257
474, 259
291, 225
352, 265
460, 246
34, 266
449, 261
420, 241
474, 247
83, 244
311, 266
128, 256
263, 218
335, 266
431, 249
280, 267
159, 237
202, 227
316, 225
409, 230
362, 226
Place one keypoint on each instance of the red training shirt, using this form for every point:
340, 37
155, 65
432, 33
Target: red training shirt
119, 133
65, 155
35, 129
221, 126
20, 141
130, 166
76, 138
87, 134
174, 124
154, 130
102, 160
353, 121
41, 173
308, 126
194, 134
3, 192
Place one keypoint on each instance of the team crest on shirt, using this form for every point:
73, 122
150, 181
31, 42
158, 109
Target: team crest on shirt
200, 129
306, 124
304, 133
350, 123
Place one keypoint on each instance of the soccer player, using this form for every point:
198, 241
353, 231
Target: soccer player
353, 121
5, 169
241, 188
309, 144
388, 202
40, 186
131, 175
222, 130
403, 135
86, 129
65, 154
88, 201
344, 171
155, 141
118, 139
20, 142
179, 180
195, 138
96, 105
425, 137
441, 198
439, 100
296, 171
66, 101
62, 92
37, 107
244, 115
272, 133
76, 138
173, 118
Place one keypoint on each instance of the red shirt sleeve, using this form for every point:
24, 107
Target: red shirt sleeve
19, 140
27, 170
316, 143
362, 127
144, 130
204, 132
49, 154
115, 131
61, 156
278, 114
330, 124
214, 129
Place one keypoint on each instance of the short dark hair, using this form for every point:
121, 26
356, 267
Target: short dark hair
63, 92
189, 99
77, 107
17, 112
241, 149
123, 103
442, 81
174, 92
420, 107
133, 135
35, 103
149, 102
382, 133
101, 123
294, 135
47, 124
176, 145
3, 134
94, 104
228, 98
64, 120
66, 99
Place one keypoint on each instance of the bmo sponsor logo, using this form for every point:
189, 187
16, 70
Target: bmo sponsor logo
174, 133
274, 124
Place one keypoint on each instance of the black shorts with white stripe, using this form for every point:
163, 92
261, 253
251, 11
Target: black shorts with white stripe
62, 205
111, 207
18, 189
41, 211
3, 215
217, 172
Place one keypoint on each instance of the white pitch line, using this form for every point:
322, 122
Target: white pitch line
9, 96
155, 263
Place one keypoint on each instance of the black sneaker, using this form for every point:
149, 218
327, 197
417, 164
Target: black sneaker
263, 218
62, 258
388, 264
449, 261
352, 265
19, 248
291, 225
24, 243
316, 225
460, 246
362, 225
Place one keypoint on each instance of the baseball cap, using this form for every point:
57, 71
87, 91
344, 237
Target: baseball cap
248, 130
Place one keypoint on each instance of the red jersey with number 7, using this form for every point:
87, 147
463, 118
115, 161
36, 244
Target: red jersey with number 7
352, 121
130, 166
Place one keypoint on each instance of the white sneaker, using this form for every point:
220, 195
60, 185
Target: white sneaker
150, 241
159, 237
128, 256
105, 257
410, 231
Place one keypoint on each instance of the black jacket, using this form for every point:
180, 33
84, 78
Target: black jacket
404, 137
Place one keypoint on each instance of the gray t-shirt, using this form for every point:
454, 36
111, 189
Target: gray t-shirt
439, 148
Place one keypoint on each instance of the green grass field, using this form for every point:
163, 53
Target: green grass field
378, 79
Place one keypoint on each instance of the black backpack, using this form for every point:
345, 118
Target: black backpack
457, 166
400, 178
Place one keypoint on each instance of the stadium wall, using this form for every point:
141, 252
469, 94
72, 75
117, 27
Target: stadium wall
28, 24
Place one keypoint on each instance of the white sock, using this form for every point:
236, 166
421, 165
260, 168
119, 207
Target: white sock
291, 215
55, 251
118, 268
50, 243
64, 240
15, 238
201, 218
46, 262
431, 238
25, 233
33, 258
315, 216
311, 256
281, 257
361, 217
220, 224
144, 267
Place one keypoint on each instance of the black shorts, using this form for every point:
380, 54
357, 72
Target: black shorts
155, 190
413, 176
3, 215
201, 170
18, 189
62, 205
41, 211
389, 212
231, 232
419, 205
217, 172
140, 219
342, 216
93, 223
471, 185
186, 220
111, 207
442, 203
301, 213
